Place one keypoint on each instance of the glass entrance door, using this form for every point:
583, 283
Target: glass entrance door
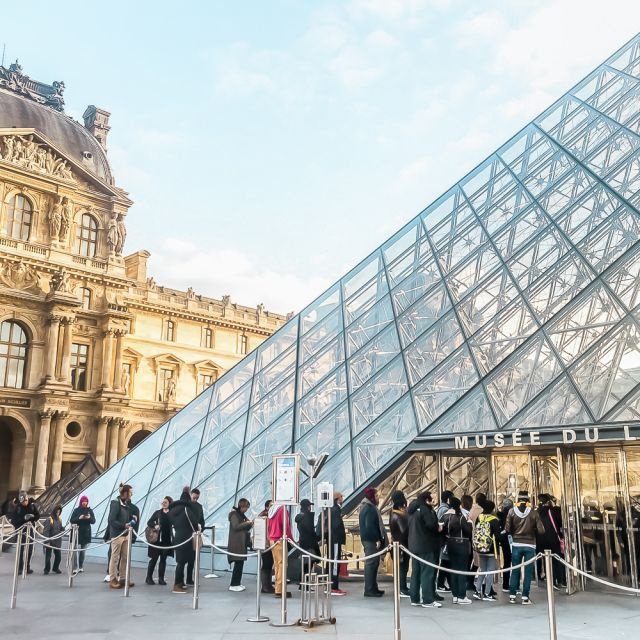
633, 475
603, 517
512, 473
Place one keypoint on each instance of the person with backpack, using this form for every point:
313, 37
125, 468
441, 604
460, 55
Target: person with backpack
443, 581
523, 525
52, 527
485, 544
458, 549
424, 541
399, 528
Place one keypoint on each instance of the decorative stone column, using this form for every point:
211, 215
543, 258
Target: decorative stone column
117, 383
101, 441
40, 481
114, 427
58, 444
107, 348
67, 338
52, 347
122, 443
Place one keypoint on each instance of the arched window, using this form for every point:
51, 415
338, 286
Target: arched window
17, 218
87, 236
14, 345
84, 293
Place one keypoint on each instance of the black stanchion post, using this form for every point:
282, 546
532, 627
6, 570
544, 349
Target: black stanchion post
396, 591
551, 599
16, 571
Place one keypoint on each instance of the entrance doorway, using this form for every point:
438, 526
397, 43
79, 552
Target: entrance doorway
12, 447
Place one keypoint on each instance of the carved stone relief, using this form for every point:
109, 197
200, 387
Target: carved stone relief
16, 274
34, 156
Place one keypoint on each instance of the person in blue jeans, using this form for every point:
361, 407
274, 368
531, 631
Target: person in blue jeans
523, 525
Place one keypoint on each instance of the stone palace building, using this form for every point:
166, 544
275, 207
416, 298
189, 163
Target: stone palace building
94, 355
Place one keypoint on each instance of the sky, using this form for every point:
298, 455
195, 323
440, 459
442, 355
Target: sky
269, 145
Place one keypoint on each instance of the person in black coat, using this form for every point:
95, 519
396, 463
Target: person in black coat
308, 539
338, 538
53, 527
24, 513
374, 539
424, 541
195, 497
399, 528
505, 544
160, 523
458, 531
553, 537
267, 558
83, 517
184, 518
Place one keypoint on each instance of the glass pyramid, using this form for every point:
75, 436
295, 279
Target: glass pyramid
510, 301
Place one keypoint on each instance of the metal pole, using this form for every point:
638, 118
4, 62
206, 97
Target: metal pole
25, 555
127, 571
2, 523
72, 554
324, 540
396, 591
332, 565
258, 617
283, 595
551, 601
196, 569
14, 585
212, 574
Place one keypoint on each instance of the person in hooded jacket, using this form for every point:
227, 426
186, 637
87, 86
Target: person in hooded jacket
184, 518
374, 539
159, 521
399, 528
458, 531
24, 513
239, 542
53, 527
83, 517
424, 541
524, 525
278, 523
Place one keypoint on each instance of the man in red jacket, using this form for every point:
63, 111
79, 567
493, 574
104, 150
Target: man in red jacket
274, 532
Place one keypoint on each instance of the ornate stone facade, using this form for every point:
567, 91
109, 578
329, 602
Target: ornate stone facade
94, 354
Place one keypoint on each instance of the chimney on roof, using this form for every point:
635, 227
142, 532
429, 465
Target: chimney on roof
96, 121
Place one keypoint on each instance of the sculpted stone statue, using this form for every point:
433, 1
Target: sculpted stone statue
171, 391
18, 275
113, 236
55, 219
125, 380
65, 222
122, 235
60, 282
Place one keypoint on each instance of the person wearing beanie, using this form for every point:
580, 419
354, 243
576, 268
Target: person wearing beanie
184, 518
524, 525
399, 528
83, 517
374, 539
25, 512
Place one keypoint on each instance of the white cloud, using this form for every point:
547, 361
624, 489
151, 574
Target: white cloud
241, 71
380, 38
416, 171
394, 10
486, 25
215, 271
527, 107
354, 68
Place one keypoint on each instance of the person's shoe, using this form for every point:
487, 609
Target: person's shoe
57, 571
415, 604
123, 582
444, 589
438, 598
29, 571
404, 594
560, 585
556, 587
115, 584
162, 583
380, 591
374, 594
149, 581
526, 600
74, 573
455, 601
238, 588
464, 600
477, 595
189, 584
107, 578
489, 598
46, 573
279, 595
338, 592
179, 588
512, 599
505, 590
431, 605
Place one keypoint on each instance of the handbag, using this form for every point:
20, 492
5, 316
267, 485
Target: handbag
152, 535
460, 542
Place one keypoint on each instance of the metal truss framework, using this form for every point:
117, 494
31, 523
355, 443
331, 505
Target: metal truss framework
511, 301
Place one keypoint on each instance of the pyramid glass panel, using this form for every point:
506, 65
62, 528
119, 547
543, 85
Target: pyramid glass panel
508, 303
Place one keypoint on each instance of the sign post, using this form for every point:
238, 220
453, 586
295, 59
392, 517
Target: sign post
286, 492
259, 543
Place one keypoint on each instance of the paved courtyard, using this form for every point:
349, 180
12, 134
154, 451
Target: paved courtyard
47, 608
